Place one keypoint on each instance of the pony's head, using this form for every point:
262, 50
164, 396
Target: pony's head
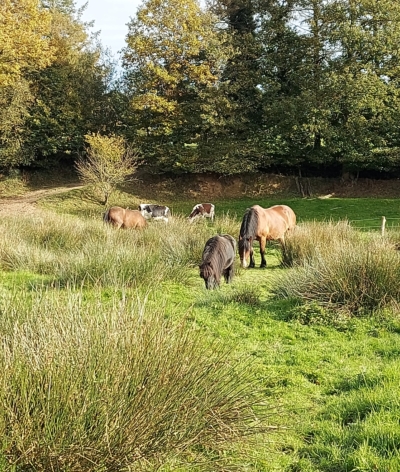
245, 244
207, 274
197, 211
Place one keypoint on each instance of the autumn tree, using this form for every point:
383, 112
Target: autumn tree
107, 163
24, 47
24, 39
173, 58
70, 92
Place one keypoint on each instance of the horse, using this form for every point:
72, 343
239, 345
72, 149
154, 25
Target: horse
202, 210
124, 218
155, 212
217, 260
263, 224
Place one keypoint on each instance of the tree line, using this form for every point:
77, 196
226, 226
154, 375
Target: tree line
231, 86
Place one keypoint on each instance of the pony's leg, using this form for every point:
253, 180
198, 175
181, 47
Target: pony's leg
263, 242
228, 274
252, 261
117, 224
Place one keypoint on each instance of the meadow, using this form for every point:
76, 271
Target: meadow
116, 357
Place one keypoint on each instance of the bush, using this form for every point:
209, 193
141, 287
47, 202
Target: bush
108, 163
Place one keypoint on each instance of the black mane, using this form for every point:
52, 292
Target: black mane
248, 229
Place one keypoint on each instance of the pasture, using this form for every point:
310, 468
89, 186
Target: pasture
81, 302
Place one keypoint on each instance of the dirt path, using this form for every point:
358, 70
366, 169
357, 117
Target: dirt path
27, 203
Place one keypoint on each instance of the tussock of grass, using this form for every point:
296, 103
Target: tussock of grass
13, 186
355, 272
91, 253
91, 386
312, 313
313, 239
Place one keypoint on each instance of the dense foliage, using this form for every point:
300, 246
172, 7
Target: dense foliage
233, 86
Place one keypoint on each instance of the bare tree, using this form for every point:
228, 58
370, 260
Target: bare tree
108, 162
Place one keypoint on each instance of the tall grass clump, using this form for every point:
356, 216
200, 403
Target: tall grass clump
227, 224
14, 184
181, 244
96, 386
359, 274
73, 250
313, 239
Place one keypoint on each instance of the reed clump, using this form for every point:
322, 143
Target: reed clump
310, 240
104, 386
337, 266
87, 252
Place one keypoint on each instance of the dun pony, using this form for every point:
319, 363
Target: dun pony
218, 259
263, 224
124, 218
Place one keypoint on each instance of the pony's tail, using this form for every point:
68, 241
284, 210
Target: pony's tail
106, 216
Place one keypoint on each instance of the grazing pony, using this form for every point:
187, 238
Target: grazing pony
218, 259
263, 224
155, 212
202, 210
124, 218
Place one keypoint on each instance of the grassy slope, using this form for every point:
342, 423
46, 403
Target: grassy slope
334, 393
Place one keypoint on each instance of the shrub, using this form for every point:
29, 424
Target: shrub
108, 163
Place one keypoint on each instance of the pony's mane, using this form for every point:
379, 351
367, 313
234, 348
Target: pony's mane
213, 250
206, 270
249, 228
215, 253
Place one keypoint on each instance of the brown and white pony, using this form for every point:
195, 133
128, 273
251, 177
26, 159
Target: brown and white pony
202, 210
263, 224
218, 259
124, 218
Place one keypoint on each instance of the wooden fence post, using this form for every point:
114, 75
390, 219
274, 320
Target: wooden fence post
383, 226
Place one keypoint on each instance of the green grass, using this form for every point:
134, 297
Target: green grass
363, 213
332, 390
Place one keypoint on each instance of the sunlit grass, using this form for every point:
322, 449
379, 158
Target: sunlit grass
73, 289
338, 266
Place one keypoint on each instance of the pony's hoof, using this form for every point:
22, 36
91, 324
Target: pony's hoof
263, 266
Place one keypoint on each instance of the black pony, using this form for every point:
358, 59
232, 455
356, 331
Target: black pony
218, 259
